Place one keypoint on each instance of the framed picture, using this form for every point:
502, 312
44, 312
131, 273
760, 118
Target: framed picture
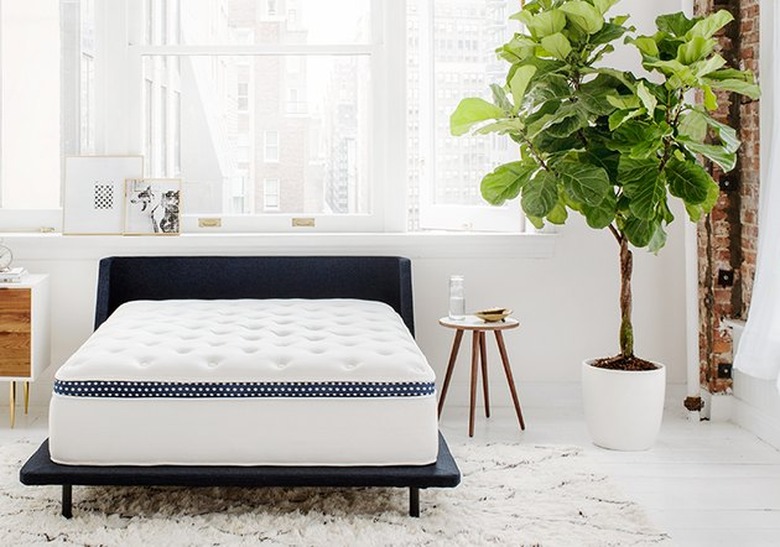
152, 206
93, 195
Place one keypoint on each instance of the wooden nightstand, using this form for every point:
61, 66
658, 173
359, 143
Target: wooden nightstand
24, 334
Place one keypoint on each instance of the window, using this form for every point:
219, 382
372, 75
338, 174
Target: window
271, 148
30, 104
271, 194
163, 169
242, 96
212, 92
445, 171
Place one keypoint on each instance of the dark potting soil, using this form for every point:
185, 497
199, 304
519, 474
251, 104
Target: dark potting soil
621, 362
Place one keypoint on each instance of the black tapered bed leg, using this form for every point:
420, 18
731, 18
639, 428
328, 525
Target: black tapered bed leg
67, 501
414, 501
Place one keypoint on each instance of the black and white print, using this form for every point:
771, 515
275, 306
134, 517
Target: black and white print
152, 206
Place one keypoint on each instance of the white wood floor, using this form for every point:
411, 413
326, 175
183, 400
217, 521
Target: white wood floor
703, 483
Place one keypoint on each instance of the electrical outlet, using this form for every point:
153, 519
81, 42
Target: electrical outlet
728, 185
724, 370
726, 278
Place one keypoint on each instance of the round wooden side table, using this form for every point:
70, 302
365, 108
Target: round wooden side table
478, 328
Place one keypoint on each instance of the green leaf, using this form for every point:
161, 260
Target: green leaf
624, 102
583, 15
546, 23
710, 99
693, 125
500, 99
678, 73
646, 45
727, 134
637, 138
544, 142
647, 98
695, 49
502, 127
471, 111
559, 214
540, 195
585, 183
717, 153
643, 184
640, 231
607, 34
604, 5
737, 86
676, 24
601, 215
573, 119
594, 94
658, 239
695, 212
506, 181
519, 83
517, 49
732, 74
620, 117
708, 26
703, 68
558, 45
687, 180
549, 87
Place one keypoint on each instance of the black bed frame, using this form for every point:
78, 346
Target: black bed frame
123, 279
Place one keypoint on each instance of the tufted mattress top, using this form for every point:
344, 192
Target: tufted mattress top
249, 348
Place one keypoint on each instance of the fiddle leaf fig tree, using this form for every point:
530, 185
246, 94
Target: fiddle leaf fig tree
611, 145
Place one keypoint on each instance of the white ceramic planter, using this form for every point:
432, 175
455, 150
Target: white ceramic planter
623, 409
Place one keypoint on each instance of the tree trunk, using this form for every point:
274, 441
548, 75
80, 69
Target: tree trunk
626, 328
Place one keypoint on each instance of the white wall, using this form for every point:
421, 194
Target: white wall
567, 303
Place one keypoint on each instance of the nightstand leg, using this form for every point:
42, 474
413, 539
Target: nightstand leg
12, 400
483, 359
510, 380
26, 397
473, 398
450, 368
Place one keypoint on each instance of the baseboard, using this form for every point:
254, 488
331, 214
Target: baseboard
761, 424
757, 407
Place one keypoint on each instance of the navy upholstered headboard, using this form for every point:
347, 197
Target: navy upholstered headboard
386, 279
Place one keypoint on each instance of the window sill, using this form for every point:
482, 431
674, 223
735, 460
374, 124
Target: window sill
36, 246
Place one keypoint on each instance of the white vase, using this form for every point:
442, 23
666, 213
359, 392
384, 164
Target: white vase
623, 409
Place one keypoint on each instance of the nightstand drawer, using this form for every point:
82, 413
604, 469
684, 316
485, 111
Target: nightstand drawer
15, 332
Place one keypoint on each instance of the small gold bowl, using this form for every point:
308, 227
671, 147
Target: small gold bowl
493, 315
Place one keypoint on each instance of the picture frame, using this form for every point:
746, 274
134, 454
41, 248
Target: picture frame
93, 193
152, 206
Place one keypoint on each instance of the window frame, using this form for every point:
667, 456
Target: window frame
386, 156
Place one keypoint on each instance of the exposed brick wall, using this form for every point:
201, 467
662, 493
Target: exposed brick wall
728, 236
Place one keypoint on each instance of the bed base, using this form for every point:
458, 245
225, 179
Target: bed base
40, 470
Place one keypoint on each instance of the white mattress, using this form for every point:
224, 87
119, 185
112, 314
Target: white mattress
246, 382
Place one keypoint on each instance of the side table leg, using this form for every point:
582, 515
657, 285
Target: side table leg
450, 368
473, 398
12, 402
483, 359
510, 380
26, 397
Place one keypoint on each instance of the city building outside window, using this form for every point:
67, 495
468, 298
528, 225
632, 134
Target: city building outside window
320, 78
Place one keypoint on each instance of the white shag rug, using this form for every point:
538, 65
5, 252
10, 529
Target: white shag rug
511, 494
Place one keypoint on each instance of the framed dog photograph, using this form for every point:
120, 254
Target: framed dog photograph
152, 206
93, 193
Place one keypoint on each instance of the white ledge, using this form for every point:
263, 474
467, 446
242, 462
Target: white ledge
36, 246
